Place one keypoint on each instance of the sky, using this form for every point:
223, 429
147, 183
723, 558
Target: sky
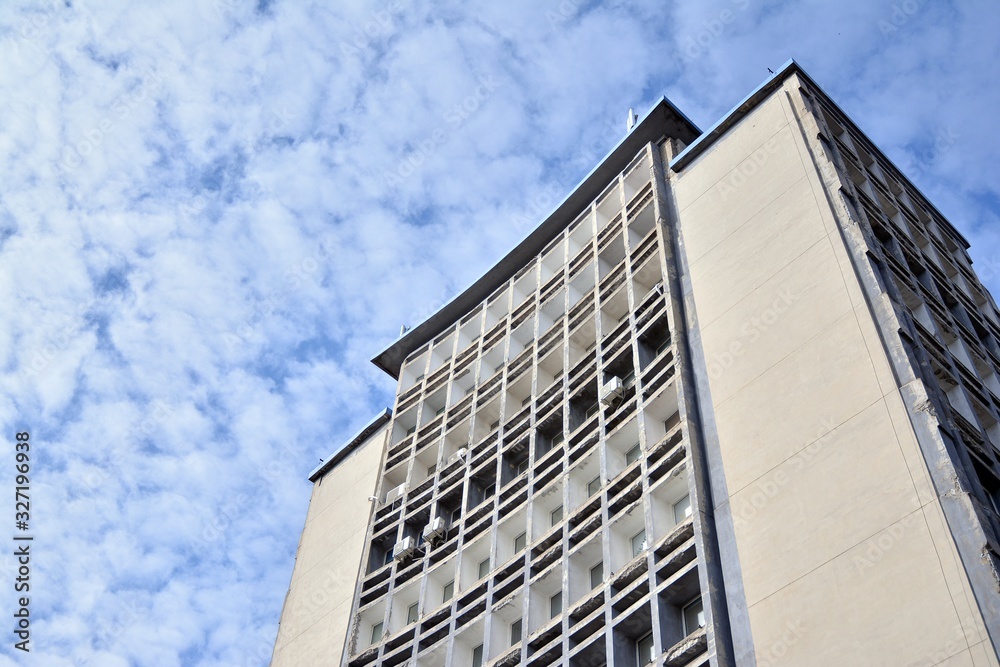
214, 213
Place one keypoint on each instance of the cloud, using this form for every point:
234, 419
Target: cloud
214, 214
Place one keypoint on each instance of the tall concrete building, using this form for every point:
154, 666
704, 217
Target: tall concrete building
734, 402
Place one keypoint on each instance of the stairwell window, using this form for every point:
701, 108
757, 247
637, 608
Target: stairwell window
639, 543
694, 616
555, 605
682, 509
515, 632
597, 575
645, 650
555, 516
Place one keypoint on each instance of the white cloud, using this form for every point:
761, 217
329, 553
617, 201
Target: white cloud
212, 217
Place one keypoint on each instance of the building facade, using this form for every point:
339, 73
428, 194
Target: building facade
735, 402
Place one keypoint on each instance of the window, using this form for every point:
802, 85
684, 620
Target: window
645, 651
439, 411
558, 438
555, 605
632, 455
597, 575
629, 379
593, 409
594, 486
456, 515
639, 542
477, 656
418, 379
520, 467
694, 616
515, 632
387, 558
526, 401
376, 633
663, 346
494, 425
431, 469
411, 613
682, 509
484, 568
555, 516
449, 591
520, 542
411, 430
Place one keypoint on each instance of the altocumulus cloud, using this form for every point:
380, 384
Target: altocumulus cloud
214, 213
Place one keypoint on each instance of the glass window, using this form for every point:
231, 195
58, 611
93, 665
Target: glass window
645, 651
555, 605
477, 656
449, 591
520, 542
526, 401
558, 438
411, 613
632, 455
439, 411
484, 568
594, 486
515, 632
597, 575
388, 556
592, 410
494, 425
629, 379
555, 516
694, 616
682, 509
411, 430
639, 543
520, 467
376, 633
431, 469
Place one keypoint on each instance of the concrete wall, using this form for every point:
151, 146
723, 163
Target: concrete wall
316, 615
827, 511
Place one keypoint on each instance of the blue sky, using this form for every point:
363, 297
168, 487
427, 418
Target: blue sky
213, 214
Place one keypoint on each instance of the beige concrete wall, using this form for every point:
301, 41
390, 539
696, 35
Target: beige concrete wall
845, 555
317, 610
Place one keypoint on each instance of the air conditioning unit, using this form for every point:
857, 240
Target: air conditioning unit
612, 390
434, 531
457, 456
395, 494
404, 548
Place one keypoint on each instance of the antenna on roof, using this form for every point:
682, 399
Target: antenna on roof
632, 120
402, 330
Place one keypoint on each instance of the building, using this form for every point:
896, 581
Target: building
734, 402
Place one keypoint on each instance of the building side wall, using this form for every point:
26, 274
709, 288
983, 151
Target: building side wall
843, 549
316, 615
